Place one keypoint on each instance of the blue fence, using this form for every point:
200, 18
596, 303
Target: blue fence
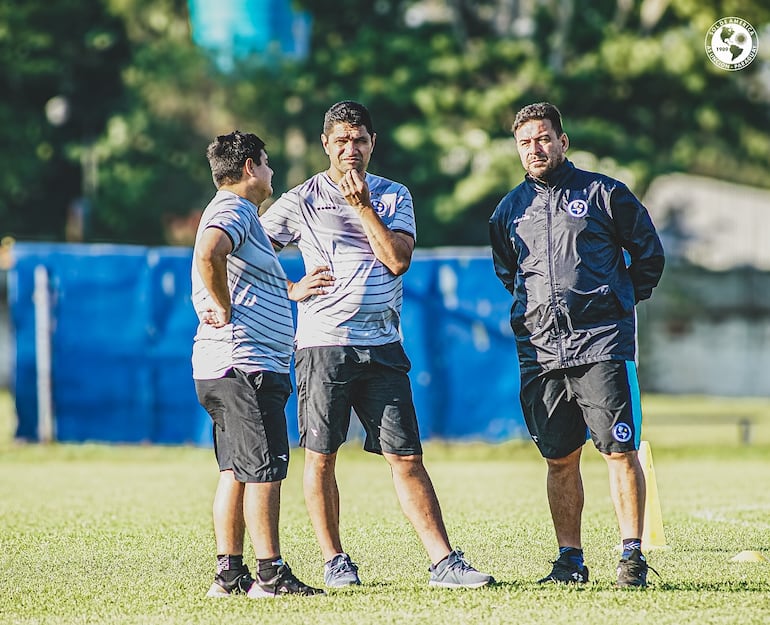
122, 328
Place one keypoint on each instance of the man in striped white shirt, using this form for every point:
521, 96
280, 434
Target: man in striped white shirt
356, 234
241, 358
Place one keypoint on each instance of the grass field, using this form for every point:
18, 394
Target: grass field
95, 534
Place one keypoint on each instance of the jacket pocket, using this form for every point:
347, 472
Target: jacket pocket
600, 305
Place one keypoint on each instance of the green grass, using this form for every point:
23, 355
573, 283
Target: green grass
95, 534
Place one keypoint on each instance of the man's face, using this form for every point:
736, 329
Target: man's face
541, 150
348, 147
262, 178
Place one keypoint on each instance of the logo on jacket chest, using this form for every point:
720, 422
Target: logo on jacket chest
577, 208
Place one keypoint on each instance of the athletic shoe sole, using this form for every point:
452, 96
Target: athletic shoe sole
437, 584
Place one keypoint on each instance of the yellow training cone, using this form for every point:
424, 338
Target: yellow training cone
652, 536
749, 556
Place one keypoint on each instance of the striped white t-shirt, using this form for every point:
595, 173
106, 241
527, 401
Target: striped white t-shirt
259, 336
364, 305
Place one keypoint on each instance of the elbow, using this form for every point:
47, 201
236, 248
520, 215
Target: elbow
399, 267
204, 258
208, 258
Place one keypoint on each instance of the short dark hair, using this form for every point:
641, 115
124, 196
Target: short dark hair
348, 112
227, 155
539, 110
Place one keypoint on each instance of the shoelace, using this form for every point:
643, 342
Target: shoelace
342, 565
459, 562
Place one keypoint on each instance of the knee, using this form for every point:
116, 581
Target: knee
566, 464
629, 458
560, 465
405, 464
319, 463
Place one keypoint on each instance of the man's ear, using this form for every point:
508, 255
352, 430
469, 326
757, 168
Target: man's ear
564, 141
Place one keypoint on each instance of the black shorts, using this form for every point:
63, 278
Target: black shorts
373, 381
248, 411
563, 408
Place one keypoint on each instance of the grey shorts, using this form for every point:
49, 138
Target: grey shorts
373, 381
563, 408
248, 411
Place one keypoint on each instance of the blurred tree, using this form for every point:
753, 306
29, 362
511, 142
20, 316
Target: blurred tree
638, 94
154, 180
153, 174
443, 79
60, 68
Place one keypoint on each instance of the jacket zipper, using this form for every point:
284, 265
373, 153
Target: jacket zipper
552, 272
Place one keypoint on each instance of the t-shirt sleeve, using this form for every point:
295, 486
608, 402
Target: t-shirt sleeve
403, 220
280, 220
234, 218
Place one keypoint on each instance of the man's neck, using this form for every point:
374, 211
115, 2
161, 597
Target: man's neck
241, 190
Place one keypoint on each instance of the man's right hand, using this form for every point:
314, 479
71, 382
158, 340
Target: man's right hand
216, 317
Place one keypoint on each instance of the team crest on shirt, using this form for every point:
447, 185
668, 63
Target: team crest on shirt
622, 433
577, 208
385, 206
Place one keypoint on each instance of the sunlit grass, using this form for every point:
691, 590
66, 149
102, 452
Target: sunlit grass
120, 534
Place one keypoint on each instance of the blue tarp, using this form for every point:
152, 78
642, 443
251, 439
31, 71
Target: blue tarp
122, 328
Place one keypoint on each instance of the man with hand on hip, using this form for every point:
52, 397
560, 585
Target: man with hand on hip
356, 233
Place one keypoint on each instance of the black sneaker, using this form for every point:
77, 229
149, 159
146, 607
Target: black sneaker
283, 583
240, 585
632, 571
565, 571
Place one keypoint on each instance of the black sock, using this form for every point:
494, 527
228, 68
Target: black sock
630, 545
229, 567
268, 568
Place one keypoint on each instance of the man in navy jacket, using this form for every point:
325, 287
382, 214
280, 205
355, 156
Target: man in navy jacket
577, 251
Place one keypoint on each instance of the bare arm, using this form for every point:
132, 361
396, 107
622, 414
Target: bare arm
211, 261
392, 249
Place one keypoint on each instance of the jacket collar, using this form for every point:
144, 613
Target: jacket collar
557, 176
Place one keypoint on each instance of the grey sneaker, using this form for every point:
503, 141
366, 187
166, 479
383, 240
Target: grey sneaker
340, 571
455, 572
632, 571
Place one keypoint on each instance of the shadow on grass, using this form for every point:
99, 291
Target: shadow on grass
654, 586
715, 586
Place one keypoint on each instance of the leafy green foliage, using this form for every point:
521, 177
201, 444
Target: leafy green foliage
638, 94
73, 49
